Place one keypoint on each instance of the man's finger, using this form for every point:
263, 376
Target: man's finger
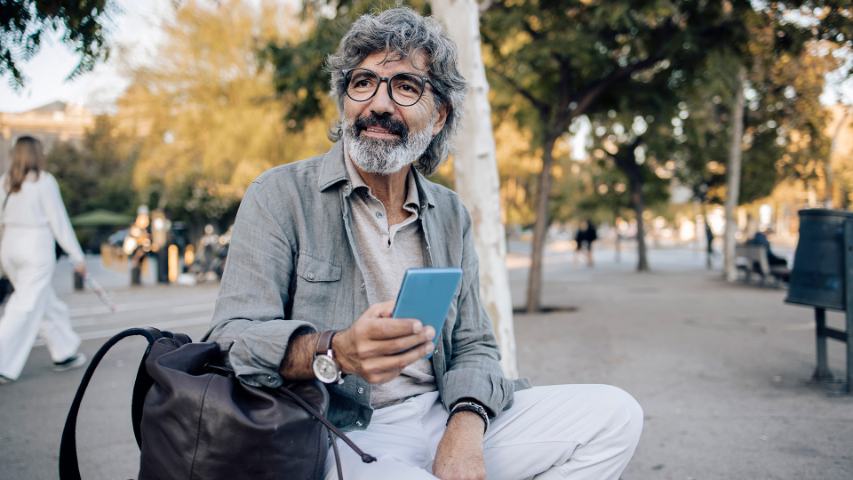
401, 344
400, 361
385, 328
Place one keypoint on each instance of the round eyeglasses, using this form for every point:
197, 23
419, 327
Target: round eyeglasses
405, 89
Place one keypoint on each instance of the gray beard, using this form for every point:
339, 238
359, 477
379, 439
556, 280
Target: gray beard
384, 157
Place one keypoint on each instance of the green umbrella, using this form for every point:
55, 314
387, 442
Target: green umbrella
101, 218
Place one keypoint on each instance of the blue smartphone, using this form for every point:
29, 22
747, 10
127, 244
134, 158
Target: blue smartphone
425, 294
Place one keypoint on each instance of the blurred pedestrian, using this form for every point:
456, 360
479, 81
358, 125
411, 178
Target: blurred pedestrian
34, 218
709, 245
584, 237
137, 243
209, 261
579, 243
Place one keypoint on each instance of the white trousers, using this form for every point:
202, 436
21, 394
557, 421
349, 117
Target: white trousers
579, 432
33, 308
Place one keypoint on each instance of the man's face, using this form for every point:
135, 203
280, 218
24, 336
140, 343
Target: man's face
381, 136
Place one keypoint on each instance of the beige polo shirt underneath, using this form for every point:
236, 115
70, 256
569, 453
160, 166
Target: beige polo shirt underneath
386, 252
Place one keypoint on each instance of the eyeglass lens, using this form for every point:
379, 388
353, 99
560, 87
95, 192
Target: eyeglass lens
404, 88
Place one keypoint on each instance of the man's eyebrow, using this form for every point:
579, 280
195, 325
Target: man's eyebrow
417, 72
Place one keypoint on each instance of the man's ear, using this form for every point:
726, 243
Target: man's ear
442, 118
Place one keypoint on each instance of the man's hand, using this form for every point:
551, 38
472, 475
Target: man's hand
460, 452
377, 347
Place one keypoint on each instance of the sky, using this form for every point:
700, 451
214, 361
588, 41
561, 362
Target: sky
134, 28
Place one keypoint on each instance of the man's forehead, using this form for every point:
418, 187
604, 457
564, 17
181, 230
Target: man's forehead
415, 60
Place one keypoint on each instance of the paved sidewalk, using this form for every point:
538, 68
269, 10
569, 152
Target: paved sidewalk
721, 370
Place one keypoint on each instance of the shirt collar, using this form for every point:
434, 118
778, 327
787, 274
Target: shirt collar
333, 170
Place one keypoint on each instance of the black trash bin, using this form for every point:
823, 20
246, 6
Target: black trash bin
822, 278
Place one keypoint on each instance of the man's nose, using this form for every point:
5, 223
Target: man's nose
382, 102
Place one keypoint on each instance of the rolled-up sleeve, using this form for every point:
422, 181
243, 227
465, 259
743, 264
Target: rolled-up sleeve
474, 369
249, 320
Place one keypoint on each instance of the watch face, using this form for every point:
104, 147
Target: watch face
325, 369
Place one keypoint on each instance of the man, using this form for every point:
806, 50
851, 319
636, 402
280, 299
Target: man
761, 239
780, 263
317, 254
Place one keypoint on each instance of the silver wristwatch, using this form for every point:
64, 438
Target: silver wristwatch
325, 367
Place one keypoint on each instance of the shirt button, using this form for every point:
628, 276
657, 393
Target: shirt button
362, 286
359, 423
378, 214
360, 390
310, 276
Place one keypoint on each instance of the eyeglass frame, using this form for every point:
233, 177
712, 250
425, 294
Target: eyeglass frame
387, 81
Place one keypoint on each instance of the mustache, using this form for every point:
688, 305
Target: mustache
383, 121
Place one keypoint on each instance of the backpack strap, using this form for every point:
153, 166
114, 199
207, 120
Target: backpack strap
144, 381
366, 458
69, 468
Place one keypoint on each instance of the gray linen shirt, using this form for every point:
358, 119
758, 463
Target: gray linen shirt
292, 269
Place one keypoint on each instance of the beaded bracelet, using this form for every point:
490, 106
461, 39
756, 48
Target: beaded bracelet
470, 407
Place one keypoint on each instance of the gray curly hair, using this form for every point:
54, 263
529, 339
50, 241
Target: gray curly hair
402, 31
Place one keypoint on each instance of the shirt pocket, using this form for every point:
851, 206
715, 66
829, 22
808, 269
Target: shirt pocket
318, 283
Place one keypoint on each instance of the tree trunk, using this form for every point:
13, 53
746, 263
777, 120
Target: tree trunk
477, 180
733, 168
832, 148
638, 203
540, 227
618, 245
626, 160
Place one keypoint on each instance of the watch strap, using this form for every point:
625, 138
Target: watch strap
324, 342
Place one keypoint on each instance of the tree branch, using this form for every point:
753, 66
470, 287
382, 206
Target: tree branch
524, 92
587, 95
537, 104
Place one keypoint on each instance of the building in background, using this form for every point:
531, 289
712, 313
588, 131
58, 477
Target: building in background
56, 121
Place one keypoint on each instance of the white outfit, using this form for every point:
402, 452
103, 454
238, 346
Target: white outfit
579, 432
34, 217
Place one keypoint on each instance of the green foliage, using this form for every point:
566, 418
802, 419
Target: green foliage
551, 62
98, 174
299, 74
784, 121
299, 63
24, 23
208, 112
565, 59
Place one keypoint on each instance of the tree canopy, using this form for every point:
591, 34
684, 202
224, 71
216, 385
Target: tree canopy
97, 174
561, 60
25, 23
207, 112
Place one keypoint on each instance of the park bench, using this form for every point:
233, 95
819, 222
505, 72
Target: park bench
753, 259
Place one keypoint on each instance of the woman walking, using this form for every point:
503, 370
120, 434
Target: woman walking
34, 217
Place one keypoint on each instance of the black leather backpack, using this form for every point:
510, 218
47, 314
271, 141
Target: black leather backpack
193, 419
